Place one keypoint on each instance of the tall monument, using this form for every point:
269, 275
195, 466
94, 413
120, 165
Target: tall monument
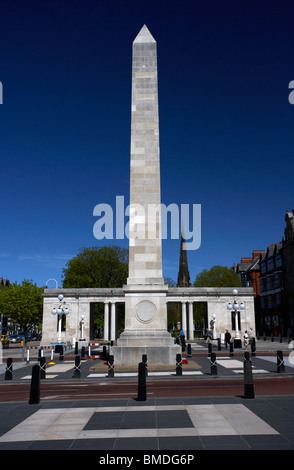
145, 293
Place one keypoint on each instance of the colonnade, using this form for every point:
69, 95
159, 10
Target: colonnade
79, 301
109, 331
110, 321
187, 320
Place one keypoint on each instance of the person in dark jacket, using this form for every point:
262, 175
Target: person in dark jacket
227, 338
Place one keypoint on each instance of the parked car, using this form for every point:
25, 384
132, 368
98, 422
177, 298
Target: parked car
35, 337
14, 339
4, 341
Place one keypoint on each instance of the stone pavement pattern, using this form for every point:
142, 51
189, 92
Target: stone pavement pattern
158, 424
190, 423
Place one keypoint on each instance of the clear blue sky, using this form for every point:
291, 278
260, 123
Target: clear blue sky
226, 125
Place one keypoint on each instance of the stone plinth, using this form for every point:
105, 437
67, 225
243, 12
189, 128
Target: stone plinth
145, 328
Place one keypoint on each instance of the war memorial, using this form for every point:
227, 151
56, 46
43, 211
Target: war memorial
145, 295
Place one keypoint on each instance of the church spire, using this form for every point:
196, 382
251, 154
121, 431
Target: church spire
183, 275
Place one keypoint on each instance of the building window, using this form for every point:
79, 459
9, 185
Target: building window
270, 302
278, 298
262, 284
278, 280
269, 283
270, 265
262, 268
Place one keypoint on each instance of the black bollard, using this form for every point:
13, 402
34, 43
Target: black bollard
61, 355
253, 347
144, 359
40, 353
77, 369
189, 350
76, 348
35, 385
104, 353
281, 339
59, 350
178, 364
142, 395
246, 356
209, 349
280, 362
42, 367
219, 344
231, 349
213, 367
248, 380
9, 369
110, 366
83, 352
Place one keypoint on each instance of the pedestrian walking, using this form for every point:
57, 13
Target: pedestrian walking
182, 339
246, 340
227, 338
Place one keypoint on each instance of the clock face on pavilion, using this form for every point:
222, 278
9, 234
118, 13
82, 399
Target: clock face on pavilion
146, 311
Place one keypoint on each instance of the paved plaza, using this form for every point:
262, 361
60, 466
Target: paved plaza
182, 423
158, 424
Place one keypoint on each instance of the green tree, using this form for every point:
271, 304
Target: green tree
23, 304
217, 276
97, 267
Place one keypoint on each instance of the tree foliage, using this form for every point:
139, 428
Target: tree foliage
217, 276
23, 304
97, 267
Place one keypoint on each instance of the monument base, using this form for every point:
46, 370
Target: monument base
158, 346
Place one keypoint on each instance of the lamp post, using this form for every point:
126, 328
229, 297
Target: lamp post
235, 307
62, 309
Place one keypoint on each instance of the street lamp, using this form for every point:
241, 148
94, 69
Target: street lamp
235, 307
62, 309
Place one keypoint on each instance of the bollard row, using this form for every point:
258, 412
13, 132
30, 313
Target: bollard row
39, 372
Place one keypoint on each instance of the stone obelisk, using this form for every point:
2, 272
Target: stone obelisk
145, 292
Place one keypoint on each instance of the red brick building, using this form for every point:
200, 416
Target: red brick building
249, 271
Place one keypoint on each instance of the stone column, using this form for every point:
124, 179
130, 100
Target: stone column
113, 322
106, 321
184, 318
191, 321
